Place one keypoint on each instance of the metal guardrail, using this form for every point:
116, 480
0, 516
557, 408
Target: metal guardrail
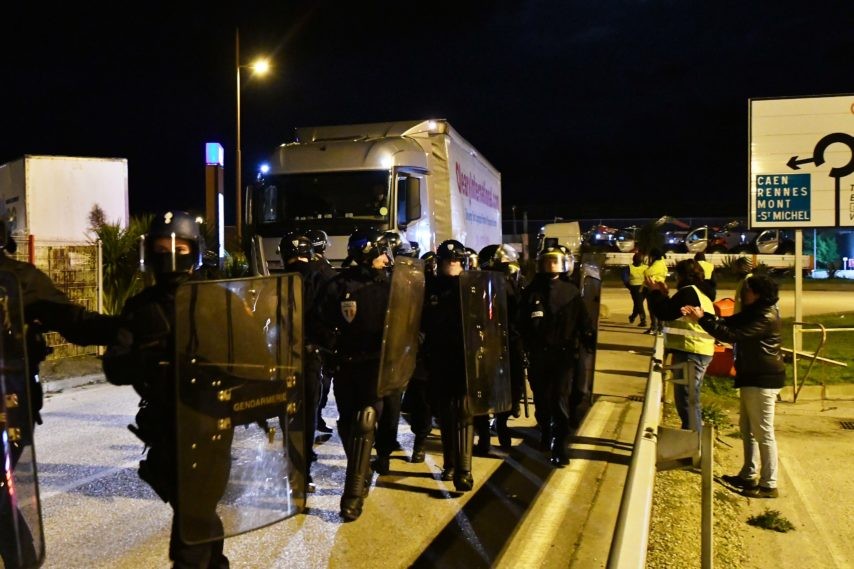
799, 328
657, 447
631, 536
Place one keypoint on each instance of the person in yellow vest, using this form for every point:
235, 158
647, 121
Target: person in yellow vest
656, 273
684, 338
633, 280
709, 274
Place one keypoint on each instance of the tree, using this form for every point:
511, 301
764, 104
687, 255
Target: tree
827, 251
120, 257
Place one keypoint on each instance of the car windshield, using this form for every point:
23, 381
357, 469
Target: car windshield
333, 196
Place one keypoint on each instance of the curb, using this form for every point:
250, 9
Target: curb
60, 385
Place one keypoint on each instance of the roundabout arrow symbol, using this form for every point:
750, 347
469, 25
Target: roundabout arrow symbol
794, 163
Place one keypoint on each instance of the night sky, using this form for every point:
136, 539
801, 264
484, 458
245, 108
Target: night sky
588, 109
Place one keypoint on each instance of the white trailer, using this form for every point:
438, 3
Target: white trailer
49, 198
420, 177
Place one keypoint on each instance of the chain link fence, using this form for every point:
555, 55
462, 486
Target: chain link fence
74, 269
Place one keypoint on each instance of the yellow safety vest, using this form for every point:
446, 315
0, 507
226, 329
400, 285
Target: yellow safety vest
636, 274
657, 271
708, 268
686, 335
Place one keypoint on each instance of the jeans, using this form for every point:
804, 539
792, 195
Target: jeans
681, 393
757, 434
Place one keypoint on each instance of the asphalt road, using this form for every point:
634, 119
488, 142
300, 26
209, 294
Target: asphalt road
522, 513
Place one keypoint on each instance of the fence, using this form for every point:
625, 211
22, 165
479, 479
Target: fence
74, 269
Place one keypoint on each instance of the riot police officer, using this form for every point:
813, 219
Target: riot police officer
172, 252
319, 243
297, 252
504, 259
446, 363
351, 311
554, 324
46, 308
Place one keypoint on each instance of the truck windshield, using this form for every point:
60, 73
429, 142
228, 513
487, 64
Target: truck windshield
331, 198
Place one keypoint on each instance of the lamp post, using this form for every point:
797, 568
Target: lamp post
259, 67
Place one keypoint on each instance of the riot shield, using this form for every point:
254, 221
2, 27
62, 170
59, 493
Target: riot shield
402, 325
483, 299
240, 405
21, 534
581, 395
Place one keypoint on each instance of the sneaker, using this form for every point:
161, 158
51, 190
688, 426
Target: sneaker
447, 474
642, 323
739, 482
632, 319
760, 492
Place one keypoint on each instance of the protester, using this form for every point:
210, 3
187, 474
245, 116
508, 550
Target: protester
684, 339
759, 376
633, 276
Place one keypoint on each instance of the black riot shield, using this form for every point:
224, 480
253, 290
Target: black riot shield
402, 325
483, 299
21, 535
240, 410
581, 395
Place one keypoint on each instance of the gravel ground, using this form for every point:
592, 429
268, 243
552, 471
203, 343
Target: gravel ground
675, 528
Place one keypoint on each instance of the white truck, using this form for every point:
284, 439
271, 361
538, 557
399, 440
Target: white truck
567, 233
49, 198
420, 177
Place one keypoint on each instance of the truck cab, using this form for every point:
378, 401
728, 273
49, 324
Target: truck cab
416, 177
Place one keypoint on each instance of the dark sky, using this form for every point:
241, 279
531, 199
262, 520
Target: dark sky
588, 109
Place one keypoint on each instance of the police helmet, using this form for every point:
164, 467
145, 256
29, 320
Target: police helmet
429, 259
565, 262
365, 245
452, 250
319, 240
474, 262
173, 225
295, 245
492, 257
398, 243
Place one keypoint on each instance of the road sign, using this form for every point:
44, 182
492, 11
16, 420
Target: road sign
801, 162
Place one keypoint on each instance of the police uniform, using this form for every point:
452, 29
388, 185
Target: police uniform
442, 326
292, 248
46, 308
137, 358
351, 313
554, 324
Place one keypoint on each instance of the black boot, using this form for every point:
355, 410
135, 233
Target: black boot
418, 454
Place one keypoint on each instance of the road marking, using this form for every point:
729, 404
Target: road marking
541, 527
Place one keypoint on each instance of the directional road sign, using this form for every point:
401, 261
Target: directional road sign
802, 162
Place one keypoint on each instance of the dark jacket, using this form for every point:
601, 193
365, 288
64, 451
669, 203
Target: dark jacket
350, 313
442, 326
755, 332
552, 314
47, 309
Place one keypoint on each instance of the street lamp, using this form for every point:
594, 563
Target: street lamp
259, 67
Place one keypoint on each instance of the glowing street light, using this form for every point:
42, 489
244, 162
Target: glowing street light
259, 67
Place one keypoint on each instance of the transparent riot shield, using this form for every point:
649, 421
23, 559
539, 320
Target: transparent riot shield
483, 299
240, 405
21, 534
581, 395
402, 325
